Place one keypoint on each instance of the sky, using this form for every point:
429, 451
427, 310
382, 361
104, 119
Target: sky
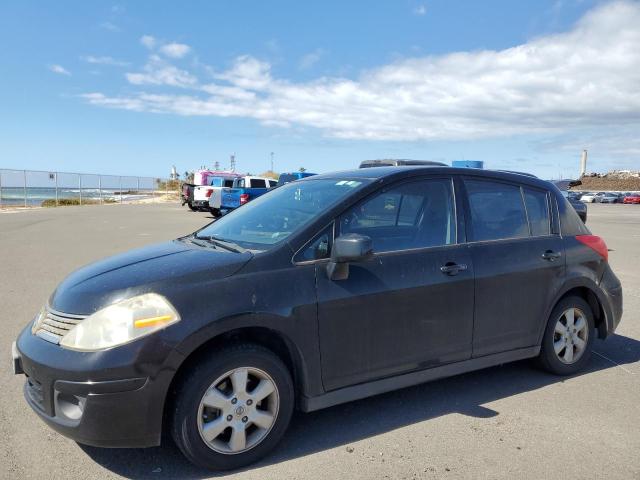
132, 88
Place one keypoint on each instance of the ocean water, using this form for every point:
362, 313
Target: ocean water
15, 196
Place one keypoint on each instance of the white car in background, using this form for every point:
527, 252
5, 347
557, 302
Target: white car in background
588, 197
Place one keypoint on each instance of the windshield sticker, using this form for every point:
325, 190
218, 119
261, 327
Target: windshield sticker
348, 183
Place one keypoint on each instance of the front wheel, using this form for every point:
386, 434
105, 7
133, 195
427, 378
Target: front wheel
568, 338
232, 408
191, 207
215, 212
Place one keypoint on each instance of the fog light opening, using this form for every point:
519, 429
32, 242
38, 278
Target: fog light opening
69, 406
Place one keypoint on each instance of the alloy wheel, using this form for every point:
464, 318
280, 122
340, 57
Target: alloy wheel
238, 410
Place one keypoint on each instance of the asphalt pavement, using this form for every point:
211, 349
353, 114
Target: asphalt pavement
511, 421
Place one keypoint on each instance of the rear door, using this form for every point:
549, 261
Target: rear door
518, 260
398, 311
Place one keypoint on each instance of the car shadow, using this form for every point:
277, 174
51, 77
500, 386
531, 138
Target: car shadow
343, 424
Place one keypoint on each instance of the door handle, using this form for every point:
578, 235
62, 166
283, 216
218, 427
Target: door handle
551, 255
451, 268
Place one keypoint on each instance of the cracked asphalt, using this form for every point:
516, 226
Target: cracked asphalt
503, 422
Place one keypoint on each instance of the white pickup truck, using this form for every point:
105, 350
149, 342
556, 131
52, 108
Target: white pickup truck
247, 182
202, 193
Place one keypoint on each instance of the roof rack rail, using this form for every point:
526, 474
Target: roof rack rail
518, 173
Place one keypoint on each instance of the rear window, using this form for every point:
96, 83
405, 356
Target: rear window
497, 210
537, 203
258, 183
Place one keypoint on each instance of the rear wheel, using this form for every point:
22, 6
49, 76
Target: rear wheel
233, 408
568, 338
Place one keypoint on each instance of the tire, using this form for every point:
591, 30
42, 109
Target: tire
190, 416
191, 207
215, 212
561, 361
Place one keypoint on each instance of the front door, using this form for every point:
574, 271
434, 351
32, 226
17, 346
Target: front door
398, 311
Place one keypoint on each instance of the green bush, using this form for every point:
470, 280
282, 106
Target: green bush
66, 202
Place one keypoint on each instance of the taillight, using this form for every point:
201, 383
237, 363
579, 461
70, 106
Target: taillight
244, 198
209, 192
596, 244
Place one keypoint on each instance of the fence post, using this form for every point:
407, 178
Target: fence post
100, 187
80, 186
120, 189
0, 188
56, 179
24, 177
138, 185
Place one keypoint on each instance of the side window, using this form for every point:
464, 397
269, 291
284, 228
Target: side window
319, 248
228, 183
497, 210
258, 183
413, 215
537, 203
240, 183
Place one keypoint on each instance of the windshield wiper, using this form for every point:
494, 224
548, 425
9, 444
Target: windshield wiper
226, 244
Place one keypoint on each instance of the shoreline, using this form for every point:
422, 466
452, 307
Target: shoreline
164, 198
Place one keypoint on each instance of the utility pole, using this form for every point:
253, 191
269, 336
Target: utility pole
216, 166
272, 162
233, 162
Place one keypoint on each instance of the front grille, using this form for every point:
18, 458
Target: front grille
34, 390
56, 325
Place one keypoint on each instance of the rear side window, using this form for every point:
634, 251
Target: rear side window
228, 183
537, 203
258, 183
497, 210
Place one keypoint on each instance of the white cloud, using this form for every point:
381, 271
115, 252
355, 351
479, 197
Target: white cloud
104, 61
420, 10
175, 50
59, 69
148, 41
310, 59
158, 72
587, 77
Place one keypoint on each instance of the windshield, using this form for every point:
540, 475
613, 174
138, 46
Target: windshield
274, 216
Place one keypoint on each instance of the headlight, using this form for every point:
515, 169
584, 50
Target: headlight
122, 322
37, 321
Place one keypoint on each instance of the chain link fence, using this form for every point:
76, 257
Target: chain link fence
33, 188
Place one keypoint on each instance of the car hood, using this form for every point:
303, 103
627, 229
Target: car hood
160, 268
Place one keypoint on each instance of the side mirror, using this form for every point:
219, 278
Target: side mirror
348, 248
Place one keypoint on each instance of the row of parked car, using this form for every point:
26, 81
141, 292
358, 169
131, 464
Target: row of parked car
226, 191
605, 197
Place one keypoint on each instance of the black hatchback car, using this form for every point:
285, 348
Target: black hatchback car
325, 290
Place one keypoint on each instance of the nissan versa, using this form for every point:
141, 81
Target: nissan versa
325, 290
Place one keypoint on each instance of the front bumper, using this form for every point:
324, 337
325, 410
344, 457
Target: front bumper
112, 398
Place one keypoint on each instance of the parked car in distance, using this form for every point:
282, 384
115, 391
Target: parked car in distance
202, 193
325, 290
578, 206
186, 194
607, 197
631, 199
245, 189
397, 162
589, 197
285, 178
